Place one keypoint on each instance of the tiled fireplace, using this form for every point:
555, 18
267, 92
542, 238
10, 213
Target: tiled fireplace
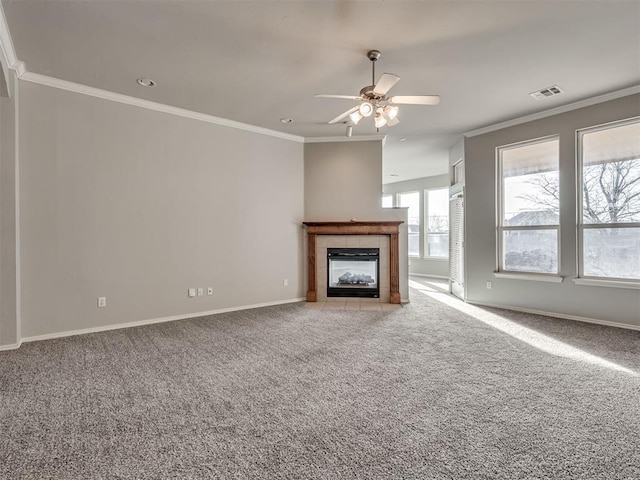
357, 239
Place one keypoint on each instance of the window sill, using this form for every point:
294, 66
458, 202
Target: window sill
540, 277
598, 282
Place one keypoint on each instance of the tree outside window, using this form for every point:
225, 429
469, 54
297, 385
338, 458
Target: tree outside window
609, 164
529, 207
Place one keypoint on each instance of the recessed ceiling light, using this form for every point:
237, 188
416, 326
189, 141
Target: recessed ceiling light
145, 82
286, 120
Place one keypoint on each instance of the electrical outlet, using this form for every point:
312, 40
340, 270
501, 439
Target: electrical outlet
210, 291
200, 292
192, 292
102, 302
285, 282
489, 285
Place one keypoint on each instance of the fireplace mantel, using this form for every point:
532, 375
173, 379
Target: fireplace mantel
390, 228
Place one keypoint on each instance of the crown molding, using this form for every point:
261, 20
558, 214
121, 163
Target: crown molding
182, 112
555, 111
10, 60
357, 138
150, 105
7, 52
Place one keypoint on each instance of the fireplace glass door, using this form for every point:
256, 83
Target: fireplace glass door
353, 272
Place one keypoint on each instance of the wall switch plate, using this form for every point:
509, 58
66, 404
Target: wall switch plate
285, 282
489, 285
200, 292
102, 302
210, 291
192, 292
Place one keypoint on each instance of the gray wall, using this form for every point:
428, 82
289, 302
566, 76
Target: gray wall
600, 303
8, 313
343, 180
138, 206
437, 267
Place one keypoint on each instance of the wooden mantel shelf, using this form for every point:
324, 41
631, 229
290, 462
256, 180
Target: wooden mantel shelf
353, 228
390, 228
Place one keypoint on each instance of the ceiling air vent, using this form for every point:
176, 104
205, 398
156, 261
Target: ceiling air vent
546, 92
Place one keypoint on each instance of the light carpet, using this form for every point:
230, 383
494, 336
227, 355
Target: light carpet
436, 390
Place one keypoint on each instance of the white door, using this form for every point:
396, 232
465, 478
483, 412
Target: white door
456, 245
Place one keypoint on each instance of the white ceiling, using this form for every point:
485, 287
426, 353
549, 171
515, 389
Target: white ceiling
255, 62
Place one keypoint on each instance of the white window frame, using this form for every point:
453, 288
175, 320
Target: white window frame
614, 281
420, 220
501, 228
425, 227
457, 172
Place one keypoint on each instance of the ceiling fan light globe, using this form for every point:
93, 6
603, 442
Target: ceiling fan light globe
355, 117
392, 121
391, 111
380, 121
366, 109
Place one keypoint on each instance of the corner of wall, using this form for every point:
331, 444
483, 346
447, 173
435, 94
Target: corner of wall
9, 225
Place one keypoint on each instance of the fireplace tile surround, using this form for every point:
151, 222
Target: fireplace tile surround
382, 235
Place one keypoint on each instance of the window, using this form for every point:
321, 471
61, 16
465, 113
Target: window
387, 201
457, 173
432, 240
609, 176
437, 223
412, 200
529, 206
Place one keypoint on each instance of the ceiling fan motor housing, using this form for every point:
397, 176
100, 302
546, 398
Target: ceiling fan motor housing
367, 93
373, 55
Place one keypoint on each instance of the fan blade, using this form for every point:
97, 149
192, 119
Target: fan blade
348, 97
345, 114
392, 121
387, 80
416, 99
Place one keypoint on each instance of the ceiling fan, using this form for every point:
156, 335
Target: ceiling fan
375, 101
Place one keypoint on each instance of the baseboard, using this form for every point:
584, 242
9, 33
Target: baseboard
11, 346
151, 321
577, 318
428, 276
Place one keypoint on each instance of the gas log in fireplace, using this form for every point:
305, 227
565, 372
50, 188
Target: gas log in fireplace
353, 272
